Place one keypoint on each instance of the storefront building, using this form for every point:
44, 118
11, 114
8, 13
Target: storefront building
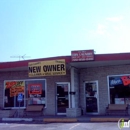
83, 83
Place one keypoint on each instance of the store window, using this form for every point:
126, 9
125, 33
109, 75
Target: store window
33, 92
119, 87
11, 91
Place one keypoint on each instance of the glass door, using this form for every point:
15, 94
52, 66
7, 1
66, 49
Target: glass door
91, 97
62, 97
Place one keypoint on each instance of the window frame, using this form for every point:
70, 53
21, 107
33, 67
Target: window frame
109, 86
25, 97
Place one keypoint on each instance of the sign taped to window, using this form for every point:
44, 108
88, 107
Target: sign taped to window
20, 97
35, 88
66, 88
15, 87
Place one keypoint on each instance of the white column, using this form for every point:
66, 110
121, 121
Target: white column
72, 88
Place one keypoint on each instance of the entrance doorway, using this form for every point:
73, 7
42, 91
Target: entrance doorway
62, 97
91, 97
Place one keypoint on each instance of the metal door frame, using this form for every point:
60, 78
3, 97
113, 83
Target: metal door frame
68, 96
96, 81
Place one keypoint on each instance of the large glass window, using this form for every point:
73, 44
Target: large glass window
34, 92
119, 87
11, 91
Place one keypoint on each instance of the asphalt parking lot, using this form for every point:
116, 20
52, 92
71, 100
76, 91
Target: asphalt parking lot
59, 126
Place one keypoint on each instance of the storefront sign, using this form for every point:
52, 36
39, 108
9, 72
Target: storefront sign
35, 88
15, 87
84, 55
47, 68
126, 80
115, 81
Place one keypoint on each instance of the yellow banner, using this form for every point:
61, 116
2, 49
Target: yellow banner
15, 87
47, 68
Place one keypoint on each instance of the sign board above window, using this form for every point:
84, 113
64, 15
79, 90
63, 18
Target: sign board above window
47, 68
82, 55
119, 80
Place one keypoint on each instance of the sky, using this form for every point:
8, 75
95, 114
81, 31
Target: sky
49, 28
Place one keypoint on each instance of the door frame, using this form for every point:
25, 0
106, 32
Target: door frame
68, 96
92, 81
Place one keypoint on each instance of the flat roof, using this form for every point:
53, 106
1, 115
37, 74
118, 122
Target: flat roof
97, 57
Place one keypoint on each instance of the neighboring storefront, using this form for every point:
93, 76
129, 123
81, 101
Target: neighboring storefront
119, 89
83, 83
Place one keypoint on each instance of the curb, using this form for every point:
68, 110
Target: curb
64, 120
107, 119
17, 119
60, 120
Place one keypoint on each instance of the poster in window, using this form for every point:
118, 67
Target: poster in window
15, 87
127, 101
65, 88
119, 101
37, 101
12, 89
35, 89
94, 87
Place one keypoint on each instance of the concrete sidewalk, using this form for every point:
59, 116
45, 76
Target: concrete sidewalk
64, 119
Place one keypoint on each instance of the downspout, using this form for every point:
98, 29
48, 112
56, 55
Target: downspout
72, 88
